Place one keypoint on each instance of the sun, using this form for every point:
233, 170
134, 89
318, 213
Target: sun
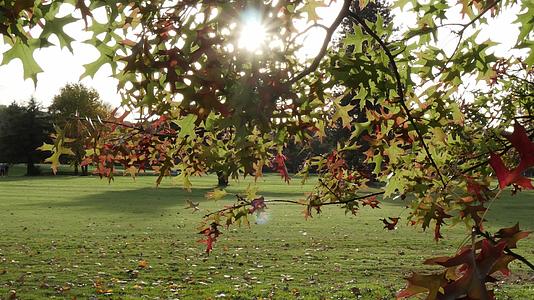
253, 34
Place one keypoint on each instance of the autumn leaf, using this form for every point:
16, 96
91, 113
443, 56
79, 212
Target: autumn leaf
258, 205
521, 142
216, 194
211, 233
476, 189
192, 205
142, 264
473, 271
279, 164
392, 224
507, 177
104, 291
131, 170
418, 283
371, 201
511, 235
161, 120
439, 216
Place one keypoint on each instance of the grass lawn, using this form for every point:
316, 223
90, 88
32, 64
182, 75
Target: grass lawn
80, 237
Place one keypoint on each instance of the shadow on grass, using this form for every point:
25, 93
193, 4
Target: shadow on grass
138, 201
11, 178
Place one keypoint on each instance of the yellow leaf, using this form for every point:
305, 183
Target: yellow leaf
251, 191
143, 264
363, 3
216, 194
132, 171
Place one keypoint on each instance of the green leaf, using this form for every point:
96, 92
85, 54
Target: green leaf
397, 183
56, 27
24, 52
107, 54
187, 126
216, 194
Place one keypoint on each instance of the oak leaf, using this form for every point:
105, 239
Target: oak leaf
371, 201
392, 224
511, 235
521, 142
279, 164
211, 233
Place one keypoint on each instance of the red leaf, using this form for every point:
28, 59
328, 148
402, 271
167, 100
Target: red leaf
371, 201
521, 142
159, 121
212, 233
473, 272
507, 177
476, 189
511, 235
258, 205
279, 164
440, 214
390, 225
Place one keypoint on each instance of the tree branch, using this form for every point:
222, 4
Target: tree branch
246, 203
329, 33
400, 89
353, 199
486, 161
461, 34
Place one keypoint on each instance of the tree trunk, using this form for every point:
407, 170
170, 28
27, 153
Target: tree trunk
31, 170
222, 177
85, 170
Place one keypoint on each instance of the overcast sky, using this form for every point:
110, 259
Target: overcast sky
61, 67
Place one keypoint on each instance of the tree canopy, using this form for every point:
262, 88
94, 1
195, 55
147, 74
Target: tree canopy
438, 123
22, 130
73, 103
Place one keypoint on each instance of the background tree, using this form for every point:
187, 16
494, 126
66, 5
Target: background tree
76, 101
22, 130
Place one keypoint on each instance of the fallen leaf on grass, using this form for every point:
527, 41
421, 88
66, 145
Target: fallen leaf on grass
143, 264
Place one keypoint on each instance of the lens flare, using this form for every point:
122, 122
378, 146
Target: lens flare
262, 218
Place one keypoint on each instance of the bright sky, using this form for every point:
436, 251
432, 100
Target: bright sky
62, 67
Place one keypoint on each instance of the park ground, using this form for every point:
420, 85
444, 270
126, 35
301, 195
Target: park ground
72, 237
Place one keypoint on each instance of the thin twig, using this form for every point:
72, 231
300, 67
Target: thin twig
237, 206
329, 189
486, 161
353, 199
329, 33
304, 32
139, 128
461, 34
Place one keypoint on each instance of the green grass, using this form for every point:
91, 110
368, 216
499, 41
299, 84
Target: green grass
68, 237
